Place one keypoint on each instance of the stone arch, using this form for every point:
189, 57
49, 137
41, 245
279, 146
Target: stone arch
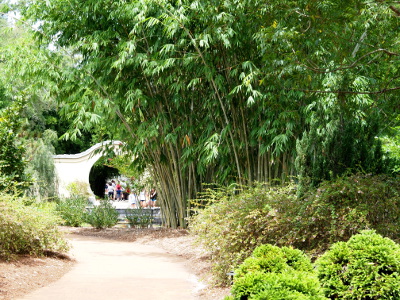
76, 167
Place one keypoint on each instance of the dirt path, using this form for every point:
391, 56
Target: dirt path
108, 269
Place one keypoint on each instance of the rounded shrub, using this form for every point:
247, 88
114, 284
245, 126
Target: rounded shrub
276, 273
269, 258
72, 210
102, 216
367, 266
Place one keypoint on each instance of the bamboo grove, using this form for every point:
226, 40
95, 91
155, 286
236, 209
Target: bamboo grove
228, 91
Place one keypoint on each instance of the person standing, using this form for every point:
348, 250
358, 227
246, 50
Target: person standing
143, 198
153, 197
132, 199
126, 193
118, 192
110, 191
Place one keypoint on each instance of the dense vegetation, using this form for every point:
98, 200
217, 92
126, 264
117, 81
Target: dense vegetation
365, 267
280, 118
199, 94
28, 228
236, 220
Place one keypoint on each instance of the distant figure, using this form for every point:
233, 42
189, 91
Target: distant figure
132, 199
153, 197
142, 198
106, 191
118, 193
126, 193
110, 191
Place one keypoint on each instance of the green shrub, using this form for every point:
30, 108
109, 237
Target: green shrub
72, 210
365, 267
138, 217
28, 229
276, 273
269, 258
237, 220
341, 208
102, 216
78, 189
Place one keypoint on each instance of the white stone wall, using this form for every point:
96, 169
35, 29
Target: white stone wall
76, 167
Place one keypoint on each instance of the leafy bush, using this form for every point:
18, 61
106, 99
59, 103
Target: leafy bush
341, 208
138, 217
276, 273
365, 267
12, 164
102, 216
72, 210
28, 229
237, 220
78, 189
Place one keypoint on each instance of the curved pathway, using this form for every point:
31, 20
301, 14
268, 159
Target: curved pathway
108, 269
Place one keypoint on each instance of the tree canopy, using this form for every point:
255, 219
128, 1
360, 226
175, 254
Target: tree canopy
222, 91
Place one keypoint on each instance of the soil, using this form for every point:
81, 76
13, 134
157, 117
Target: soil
25, 274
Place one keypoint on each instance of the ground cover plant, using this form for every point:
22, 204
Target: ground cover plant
365, 267
28, 229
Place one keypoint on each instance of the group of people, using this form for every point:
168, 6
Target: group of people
115, 191
143, 199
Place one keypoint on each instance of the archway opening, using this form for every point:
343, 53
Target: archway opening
99, 174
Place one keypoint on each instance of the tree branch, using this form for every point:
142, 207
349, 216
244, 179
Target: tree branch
396, 11
352, 65
383, 91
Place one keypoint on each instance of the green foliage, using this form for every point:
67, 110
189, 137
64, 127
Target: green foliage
339, 209
139, 217
41, 166
103, 215
78, 189
28, 229
391, 148
204, 95
235, 220
72, 210
269, 258
238, 219
332, 147
276, 273
12, 163
365, 267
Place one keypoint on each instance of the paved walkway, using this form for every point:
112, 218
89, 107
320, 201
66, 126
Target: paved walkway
108, 270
